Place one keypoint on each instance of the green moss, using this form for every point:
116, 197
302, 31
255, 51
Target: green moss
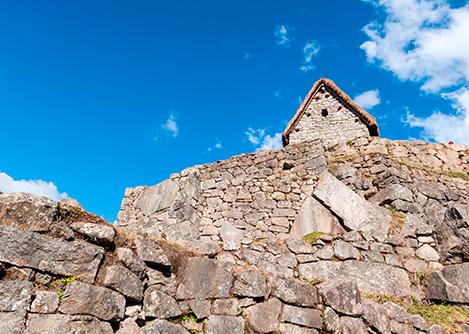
445, 315
68, 279
312, 237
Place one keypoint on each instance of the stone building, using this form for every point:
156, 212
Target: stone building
329, 114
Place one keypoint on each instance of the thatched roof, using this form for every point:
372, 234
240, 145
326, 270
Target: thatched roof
361, 113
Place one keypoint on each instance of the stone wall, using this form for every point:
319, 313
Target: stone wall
328, 118
355, 239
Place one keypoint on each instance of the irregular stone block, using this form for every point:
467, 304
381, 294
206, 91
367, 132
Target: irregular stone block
375, 314
370, 277
205, 278
124, 281
15, 295
151, 253
200, 307
217, 324
159, 305
61, 323
427, 253
29, 249
45, 302
231, 237
356, 213
228, 306
349, 325
314, 217
302, 316
158, 197
452, 235
129, 326
251, 283
344, 251
12, 322
163, 326
131, 261
264, 317
450, 284
342, 295
92, 300
391, 193
96, 233
293, 291
294, 329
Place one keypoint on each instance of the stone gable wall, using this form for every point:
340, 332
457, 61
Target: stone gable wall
340, 125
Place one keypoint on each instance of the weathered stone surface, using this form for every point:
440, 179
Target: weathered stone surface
251, 283
301, 316
228, 306
452, 235
163, 326
356, 213
97, 233
158, 197
342, 295
391, 193
200, 307
344, 251
216, 324
131, 261
15, 296
427, 253
159, 305
60, 324
294, 329
231, 236
205, 278
129, 326
12, 322
264, 317
376, 316
293, 291
349, 325
313, 217
370, 277
450, 284
45, 302
124, 281
30, 249
92, 300
27, 211
299, 246
151, 253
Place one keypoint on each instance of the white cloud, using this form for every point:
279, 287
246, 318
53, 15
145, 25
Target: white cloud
171, 126
37, 187
368, 99
310, 50
216, 146
443, 127
426, 41
281, 36
263, 141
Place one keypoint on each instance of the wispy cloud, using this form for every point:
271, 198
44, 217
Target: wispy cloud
263, 141
426, 41
310, 50
37, 187
281, 36
171, 126
368, 99
216, 146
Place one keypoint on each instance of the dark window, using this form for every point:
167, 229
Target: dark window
324, 112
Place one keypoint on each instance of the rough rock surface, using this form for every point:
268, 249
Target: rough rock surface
220, 248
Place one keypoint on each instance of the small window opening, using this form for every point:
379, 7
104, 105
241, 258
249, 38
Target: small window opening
324, 112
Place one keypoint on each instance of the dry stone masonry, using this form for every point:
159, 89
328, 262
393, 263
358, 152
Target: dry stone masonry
367, 236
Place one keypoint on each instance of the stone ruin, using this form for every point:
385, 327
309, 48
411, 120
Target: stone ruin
304, 240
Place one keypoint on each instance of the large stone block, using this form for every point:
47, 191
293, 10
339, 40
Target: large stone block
159, 305
294, 291
29, 249
163, 326
356, 213
217, 324
92, 300
314, 217
205, 278
450, 284
61, 323
123, 280
158, 197
370, 277
15, 296
12, 322
264, 317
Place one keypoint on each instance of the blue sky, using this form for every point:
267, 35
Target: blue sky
97, 96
